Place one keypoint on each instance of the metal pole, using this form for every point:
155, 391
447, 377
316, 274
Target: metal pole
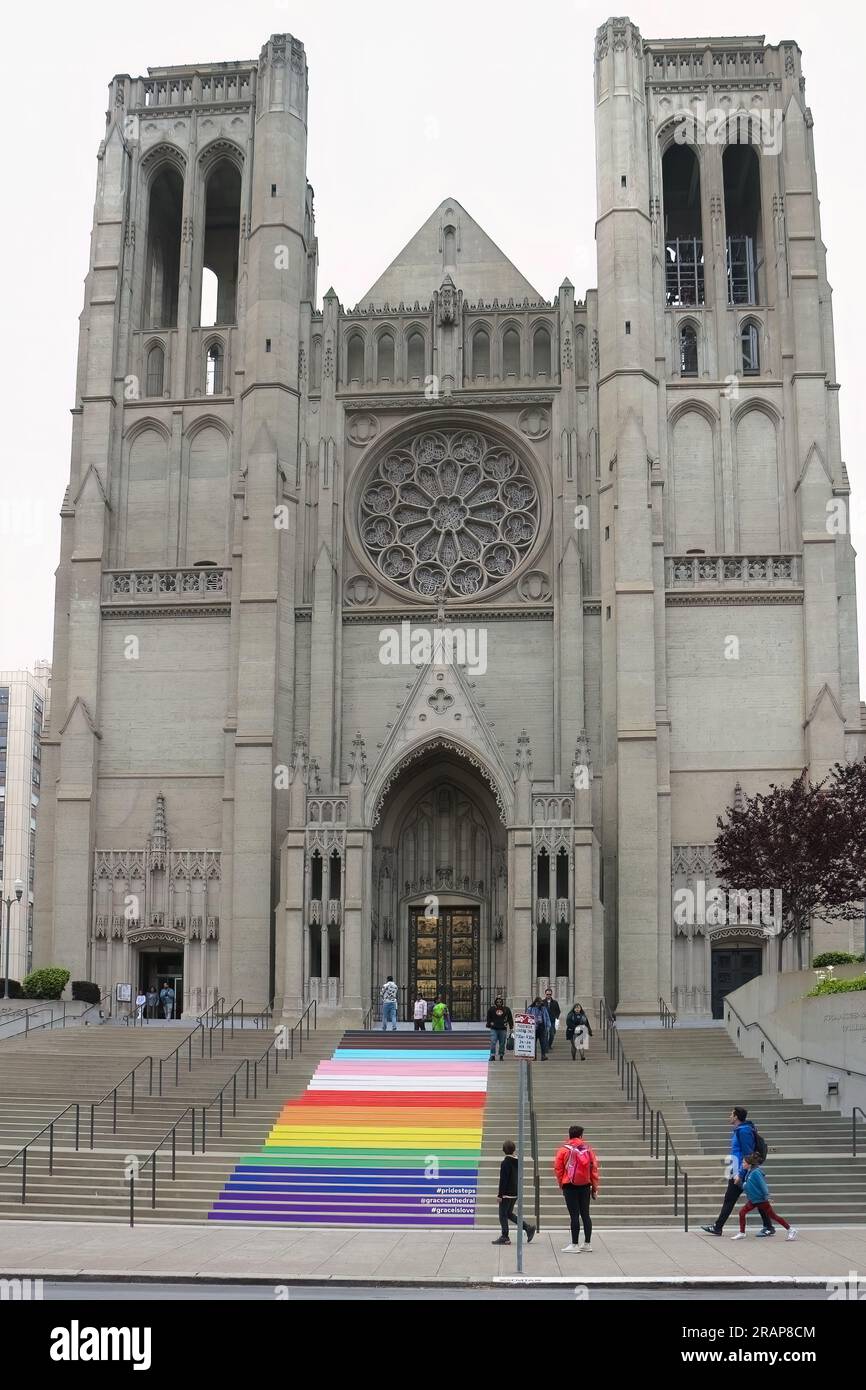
6, 994
521, 1106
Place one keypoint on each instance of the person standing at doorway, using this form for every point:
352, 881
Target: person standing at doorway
542, 1025
577, 1031
500, 1021
389, 995
440, 1014
507, 1196
553, 1012
140, 1002
420, 1015
152, 1002
744, 1141
576, 1169
166, 998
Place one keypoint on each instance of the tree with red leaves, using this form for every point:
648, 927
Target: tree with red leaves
807, 841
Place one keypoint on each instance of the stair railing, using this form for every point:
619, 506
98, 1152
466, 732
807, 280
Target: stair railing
49, 1130
302, 1028
854, 1113
113, 1093
667, 1016
630, 1082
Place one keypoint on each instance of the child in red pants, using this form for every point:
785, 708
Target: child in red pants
757, 1196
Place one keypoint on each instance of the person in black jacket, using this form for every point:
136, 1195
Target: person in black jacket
577, 1030
507, 1196
500, 1021
553, 1009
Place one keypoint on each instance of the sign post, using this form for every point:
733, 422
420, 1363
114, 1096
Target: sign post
524, 1051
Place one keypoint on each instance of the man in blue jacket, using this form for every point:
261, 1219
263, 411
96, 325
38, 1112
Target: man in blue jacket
743, 1143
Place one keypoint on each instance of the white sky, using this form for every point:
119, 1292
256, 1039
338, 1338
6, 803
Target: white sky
489, 102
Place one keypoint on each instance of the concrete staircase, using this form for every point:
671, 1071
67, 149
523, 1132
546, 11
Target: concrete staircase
632, 1192
39, 1077
697, 1075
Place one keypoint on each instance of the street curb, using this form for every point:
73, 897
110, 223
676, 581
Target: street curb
660, 1281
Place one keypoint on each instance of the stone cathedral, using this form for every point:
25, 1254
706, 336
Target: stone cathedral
429, 637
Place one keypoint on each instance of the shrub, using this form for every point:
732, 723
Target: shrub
834, 958
15, 990
838, 986
47, 983
85, 990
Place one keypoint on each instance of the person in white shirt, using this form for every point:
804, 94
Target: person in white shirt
140, 1001
389, 995
420, 1015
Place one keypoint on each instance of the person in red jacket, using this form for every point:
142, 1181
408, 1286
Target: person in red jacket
576, 1169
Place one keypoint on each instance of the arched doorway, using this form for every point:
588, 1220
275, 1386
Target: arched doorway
439, 887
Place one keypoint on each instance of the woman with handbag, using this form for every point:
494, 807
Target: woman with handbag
577, 1031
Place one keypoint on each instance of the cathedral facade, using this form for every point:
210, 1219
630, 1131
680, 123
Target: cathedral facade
429, 637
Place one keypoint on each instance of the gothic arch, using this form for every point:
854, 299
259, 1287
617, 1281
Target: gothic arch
385, 777
221, 148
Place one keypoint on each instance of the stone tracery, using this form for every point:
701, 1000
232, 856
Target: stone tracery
449, 513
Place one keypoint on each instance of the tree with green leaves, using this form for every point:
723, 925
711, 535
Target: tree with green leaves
806, 841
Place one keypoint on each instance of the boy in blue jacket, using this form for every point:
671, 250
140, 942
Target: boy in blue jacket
758, 1197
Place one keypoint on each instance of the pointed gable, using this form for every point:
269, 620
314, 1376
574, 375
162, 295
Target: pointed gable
474, 262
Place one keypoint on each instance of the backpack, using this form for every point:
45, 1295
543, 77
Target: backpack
578, 1165
760, 1146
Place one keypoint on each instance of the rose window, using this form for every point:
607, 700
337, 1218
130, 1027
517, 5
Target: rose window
449, 513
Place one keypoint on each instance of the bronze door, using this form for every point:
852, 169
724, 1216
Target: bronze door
443, 959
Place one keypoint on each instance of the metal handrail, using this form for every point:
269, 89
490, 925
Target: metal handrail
263, 1018
533, 1144
112, 1096
218, 1099
49, 1129
854, 1113
221, 1022
151, 1159
52, 1022
630, 1082
812, 1061
667, 1016
37, 1008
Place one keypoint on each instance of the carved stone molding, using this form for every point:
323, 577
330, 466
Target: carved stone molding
446, 744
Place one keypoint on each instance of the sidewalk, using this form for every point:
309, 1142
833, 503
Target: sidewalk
51, 1249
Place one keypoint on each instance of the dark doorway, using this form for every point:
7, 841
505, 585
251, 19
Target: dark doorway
443, 959
732, 967
157, 968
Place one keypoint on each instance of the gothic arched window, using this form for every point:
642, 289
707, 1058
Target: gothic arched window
221, 242
415, 355
511, 352
155, 371
385, 358
481, 352
162, 264
214, 373
750, 349
688, 350
355, 358
541, 352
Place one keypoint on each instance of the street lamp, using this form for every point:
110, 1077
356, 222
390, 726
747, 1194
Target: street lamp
19, 889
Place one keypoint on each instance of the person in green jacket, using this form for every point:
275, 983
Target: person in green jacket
439, 1011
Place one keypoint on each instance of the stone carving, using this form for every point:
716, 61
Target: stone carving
535, 587
362, 429
431, 745
534, 422
448, 301
523, 756
440, 702
687, 571
450, 513
360, 591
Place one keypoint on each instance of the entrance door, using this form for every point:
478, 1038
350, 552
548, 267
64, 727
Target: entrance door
732, 967
443, 959
157, 968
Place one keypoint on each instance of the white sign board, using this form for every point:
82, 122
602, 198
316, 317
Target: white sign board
124, 994
524, 1036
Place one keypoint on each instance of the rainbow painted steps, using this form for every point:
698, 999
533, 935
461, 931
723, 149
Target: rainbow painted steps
388, 1133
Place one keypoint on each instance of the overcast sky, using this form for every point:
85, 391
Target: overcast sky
486, 101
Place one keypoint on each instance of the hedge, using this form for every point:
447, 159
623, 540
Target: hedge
85, 990
47, 983
838, 986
